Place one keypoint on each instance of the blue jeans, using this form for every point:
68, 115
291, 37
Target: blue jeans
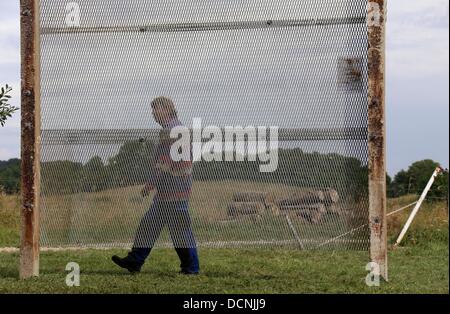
176, 216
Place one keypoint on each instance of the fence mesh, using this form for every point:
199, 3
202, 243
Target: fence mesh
300, 66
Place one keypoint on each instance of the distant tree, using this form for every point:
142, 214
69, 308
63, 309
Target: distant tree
415, 179
440, 187
61, 177
6, 110
93, 175
388, 180
388, 185
399, 185
420, 173
10, 176
132, 165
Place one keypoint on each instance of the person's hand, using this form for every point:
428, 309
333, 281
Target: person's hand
146, 190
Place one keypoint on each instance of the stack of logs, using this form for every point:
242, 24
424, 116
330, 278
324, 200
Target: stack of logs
250, 203
310, 204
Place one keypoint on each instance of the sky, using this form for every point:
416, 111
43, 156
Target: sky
417, 52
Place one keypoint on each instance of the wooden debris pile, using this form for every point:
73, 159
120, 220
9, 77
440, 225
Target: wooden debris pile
250, 203
309, 204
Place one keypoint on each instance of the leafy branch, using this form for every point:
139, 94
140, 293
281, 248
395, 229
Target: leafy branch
6, 110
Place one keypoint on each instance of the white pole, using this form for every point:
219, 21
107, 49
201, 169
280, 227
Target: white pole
294, 231
417, 207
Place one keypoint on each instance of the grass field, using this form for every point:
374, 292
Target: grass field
112, 216
419, 266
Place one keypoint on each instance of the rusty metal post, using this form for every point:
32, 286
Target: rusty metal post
30, 140
377, 134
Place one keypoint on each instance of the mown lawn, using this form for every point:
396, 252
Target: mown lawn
416, 269
419, 266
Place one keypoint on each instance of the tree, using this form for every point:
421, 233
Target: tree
6, 110
415, 179
388, 180
10, 176
399, 185
420, 173
440, 187
93, 176
61, 177
132, 165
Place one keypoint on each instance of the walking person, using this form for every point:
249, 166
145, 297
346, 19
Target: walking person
172, 181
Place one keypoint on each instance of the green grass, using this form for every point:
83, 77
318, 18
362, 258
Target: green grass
419, 266
112, 216
9, 220
417, 269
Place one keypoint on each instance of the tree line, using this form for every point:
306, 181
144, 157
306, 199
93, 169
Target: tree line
133, 165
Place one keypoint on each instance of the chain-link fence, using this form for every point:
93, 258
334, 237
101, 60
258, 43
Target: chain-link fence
300, 66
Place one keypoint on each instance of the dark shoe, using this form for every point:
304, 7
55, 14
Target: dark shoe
127, 263
185, 272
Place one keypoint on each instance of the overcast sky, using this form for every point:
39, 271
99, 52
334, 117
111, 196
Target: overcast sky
417, 80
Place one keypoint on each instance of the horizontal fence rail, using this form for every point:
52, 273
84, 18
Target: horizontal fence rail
74, 137
214, 26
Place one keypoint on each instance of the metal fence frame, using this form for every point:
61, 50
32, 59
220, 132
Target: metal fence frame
31, 136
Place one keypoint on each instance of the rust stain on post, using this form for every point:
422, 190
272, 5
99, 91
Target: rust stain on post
30, 138
377, 134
